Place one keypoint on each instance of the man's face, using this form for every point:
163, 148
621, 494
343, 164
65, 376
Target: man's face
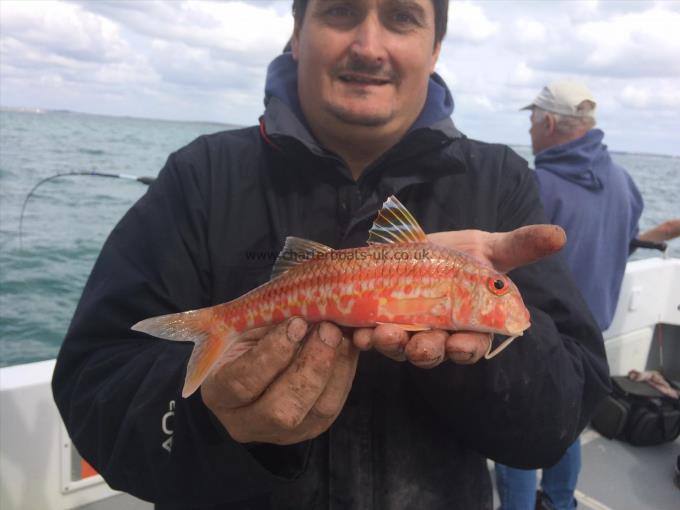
539, 131
364, 62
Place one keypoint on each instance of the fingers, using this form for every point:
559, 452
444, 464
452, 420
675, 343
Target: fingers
475, 243
290, 397
390, 340
427, 349
467, 347
525, 245
331, 401
664, 232
363, 338
246, 378
333, 397
505, 250
302, 398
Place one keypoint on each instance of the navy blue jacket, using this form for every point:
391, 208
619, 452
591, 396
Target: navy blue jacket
598, 205
406, 437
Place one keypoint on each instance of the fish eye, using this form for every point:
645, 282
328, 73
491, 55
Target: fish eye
497, 286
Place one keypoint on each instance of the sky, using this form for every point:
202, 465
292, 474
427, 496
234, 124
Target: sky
206, 61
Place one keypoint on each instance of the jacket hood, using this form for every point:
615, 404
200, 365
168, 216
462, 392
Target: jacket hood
583, 161
281, 92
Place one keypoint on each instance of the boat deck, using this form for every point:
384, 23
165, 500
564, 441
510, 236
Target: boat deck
618, 476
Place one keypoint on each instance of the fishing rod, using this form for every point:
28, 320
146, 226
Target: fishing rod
143, 180
635, 243
652, 245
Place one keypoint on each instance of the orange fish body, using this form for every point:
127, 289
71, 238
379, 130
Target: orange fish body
407, 281
417, 284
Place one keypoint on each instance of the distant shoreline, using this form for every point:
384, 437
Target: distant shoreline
22, 109
41, 111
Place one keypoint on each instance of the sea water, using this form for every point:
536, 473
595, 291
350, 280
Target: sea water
67, 219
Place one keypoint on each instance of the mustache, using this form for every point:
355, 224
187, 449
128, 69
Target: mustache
370, 68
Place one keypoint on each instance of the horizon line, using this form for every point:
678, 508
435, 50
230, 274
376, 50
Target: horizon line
38, 111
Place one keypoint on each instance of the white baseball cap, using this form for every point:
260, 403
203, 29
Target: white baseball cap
564, 97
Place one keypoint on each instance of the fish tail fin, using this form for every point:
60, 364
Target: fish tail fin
195, 326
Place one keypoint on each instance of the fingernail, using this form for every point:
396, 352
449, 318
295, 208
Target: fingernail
329, 335
296, 330
429, 363
463, 356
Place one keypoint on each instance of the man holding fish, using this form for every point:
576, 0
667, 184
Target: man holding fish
277, 408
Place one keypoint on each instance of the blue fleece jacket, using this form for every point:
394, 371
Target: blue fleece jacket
598, 205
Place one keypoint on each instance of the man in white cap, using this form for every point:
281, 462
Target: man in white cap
599, 206
563, 111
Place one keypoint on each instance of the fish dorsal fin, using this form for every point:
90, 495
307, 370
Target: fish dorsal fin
295, 251
395, 224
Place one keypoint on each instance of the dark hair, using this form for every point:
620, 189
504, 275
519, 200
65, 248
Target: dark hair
441, 15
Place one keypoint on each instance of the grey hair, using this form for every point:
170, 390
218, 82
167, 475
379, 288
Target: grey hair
568, 124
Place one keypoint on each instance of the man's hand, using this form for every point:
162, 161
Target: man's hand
504, 251
288, 388
663, 232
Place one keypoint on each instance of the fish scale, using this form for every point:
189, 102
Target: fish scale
337, 279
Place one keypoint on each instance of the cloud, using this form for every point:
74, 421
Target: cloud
530, 32
204, 45
629, 45
55, 44
63, 30
523, 75
588, 10
256, 30
656, 96
646, 43
468, 23
152, 50
198, 67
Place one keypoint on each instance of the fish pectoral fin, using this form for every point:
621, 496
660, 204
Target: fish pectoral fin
243, 343
295, 251
395, 224
254, 334
408, 327
240, 347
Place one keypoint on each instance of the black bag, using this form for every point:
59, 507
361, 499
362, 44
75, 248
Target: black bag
638, 414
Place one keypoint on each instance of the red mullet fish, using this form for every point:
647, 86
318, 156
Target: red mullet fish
399, 278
